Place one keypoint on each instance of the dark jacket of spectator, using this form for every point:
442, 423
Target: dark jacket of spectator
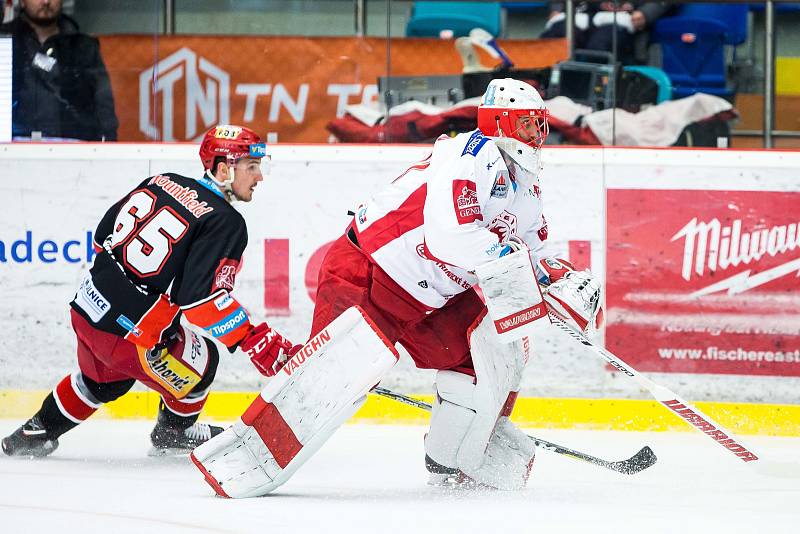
60, 87
632, 47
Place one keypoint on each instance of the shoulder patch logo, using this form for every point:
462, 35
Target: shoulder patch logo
474, 144
500, 187
465, 201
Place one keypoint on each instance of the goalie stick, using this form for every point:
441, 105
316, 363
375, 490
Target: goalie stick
677, 405
636, 463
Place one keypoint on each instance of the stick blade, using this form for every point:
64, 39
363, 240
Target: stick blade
638, 462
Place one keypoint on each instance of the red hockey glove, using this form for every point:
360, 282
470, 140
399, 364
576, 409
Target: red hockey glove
549, 270
268, 350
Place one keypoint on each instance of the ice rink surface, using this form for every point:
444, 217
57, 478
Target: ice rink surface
371, 479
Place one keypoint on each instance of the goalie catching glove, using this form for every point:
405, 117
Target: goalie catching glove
574, 296
268, 350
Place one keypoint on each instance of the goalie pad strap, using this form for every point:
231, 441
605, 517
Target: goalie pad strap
273, 430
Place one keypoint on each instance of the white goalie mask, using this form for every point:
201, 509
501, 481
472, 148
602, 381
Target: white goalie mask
513, 114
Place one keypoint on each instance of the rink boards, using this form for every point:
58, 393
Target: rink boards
672, 216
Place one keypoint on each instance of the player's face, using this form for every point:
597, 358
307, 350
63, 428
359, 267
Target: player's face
248, 174
530, 129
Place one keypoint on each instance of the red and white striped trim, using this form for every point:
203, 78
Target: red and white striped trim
72, 403
185, 406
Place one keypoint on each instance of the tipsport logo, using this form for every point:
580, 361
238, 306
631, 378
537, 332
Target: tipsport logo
30, 249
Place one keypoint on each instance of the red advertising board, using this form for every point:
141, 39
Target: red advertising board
704, 281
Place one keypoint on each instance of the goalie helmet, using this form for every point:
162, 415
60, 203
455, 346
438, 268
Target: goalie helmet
513, 114
232, 143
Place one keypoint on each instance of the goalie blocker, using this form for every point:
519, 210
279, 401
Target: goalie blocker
317, 390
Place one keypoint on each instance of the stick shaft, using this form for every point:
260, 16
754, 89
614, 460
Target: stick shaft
669, 399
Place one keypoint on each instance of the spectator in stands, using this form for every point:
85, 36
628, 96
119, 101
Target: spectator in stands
60, 86
595, 23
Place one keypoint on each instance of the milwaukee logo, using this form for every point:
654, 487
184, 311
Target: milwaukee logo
309, 349
704, 426
711, 246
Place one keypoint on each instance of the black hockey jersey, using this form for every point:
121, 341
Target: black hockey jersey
172, 245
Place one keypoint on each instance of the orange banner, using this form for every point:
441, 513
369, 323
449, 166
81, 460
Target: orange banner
174, 88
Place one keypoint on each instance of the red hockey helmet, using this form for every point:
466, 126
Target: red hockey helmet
230, 142
513, 113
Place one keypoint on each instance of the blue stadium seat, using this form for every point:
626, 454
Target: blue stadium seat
733, 16
429, 18
693, 55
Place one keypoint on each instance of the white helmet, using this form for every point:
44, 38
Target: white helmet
513, 113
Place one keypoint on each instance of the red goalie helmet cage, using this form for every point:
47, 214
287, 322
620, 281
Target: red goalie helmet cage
231, 142
511, 108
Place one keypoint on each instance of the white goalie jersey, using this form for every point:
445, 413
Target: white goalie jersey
448, 214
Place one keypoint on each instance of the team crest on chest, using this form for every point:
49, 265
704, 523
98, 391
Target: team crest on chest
500, 187
504, 225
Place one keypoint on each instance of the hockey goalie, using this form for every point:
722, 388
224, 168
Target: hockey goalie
404, 273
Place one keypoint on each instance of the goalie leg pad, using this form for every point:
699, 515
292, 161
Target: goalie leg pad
470, 431
317, 390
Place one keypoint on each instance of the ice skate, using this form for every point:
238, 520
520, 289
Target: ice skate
171, 441
30, 439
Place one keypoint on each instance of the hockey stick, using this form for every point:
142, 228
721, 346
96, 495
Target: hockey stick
638, 462
677, 405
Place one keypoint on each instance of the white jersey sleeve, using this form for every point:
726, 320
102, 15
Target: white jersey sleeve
456, 231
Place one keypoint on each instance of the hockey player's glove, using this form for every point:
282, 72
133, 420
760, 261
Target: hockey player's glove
268, 350
574, 296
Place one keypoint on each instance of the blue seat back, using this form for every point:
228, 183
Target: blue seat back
429, 18
732, 16
693, 54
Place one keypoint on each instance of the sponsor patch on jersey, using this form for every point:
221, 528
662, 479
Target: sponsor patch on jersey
362, 216
229, 323
226, 131
500, 187
474, 144
223, 301
423, 284
465, 201
129, 325
91, 300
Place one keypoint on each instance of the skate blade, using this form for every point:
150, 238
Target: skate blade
169, 452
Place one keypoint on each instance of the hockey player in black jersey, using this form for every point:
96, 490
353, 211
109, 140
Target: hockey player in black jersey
170, 248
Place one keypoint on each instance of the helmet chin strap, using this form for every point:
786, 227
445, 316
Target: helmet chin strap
225, 186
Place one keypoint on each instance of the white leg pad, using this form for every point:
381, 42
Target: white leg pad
470, 430
321, 387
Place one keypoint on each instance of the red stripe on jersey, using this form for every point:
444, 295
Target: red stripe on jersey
70, 402
183, 407
276, 434
153, 323
397, 222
